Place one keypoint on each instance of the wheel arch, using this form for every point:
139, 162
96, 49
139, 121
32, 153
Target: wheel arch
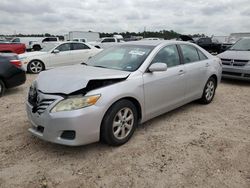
3, 80
44, 67
131, 99
215, 77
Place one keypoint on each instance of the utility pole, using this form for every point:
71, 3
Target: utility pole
144, 34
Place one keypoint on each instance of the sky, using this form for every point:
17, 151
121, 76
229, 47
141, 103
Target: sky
211, 17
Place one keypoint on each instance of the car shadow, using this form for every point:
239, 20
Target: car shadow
235, 82
61, 150
13, 91
169, 114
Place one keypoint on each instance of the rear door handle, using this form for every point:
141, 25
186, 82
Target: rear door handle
207, 64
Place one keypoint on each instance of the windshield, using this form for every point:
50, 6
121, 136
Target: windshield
123, 57
242, 45
48, 47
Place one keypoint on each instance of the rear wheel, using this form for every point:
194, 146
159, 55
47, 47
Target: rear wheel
35, 67
37, 48
2, 88
209, 91
119, 123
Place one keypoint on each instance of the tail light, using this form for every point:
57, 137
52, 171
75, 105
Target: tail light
16, 63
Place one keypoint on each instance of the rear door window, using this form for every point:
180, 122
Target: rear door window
79, 46
64, 47
168, 55
190, 53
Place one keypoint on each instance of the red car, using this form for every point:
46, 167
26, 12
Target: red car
17, 48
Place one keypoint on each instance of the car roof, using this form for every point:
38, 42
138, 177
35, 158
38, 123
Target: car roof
155, 42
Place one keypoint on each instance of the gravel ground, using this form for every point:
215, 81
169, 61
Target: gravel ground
193, 146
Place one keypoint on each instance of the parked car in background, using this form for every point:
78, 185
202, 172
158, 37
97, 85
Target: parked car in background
55, 54
118, 88
209, 45
153, 38
106, 42
236, 60
7, 47
34, 43
11, 72
79, 40
232, 39
206, 43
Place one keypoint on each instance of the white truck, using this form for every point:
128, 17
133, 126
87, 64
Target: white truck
82, 36
34, 43
106, 42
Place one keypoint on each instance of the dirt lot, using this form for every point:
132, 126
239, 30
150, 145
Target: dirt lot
193, 146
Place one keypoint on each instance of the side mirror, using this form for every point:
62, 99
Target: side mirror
158, 67
55, 51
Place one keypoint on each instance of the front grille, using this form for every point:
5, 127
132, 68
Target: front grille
234, 62
39, 101
43, 105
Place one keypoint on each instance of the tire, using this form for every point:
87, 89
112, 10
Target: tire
2, 88
209, 91
37, 48
35, 67
115, 129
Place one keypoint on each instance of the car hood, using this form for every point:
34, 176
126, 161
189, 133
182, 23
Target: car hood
31, 54
66, 80
230, 54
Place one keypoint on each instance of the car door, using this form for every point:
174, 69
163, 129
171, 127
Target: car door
196, 66
165, 90
62, 57
80, 53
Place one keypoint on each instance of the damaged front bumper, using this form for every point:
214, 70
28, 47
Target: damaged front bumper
73, 128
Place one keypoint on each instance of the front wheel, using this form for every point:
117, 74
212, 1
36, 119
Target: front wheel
35, 67
119, 123
2, 88
209, 91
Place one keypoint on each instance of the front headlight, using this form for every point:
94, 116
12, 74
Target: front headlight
75, 103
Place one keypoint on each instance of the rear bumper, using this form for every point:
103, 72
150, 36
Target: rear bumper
241, 73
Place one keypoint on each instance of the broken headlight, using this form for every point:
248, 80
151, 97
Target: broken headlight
75, 103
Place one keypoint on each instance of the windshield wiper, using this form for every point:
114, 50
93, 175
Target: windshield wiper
100, 66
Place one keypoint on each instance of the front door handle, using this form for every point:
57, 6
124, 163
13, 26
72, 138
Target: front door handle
207, 64
181, 72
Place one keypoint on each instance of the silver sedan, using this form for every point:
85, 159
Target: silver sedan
109, 95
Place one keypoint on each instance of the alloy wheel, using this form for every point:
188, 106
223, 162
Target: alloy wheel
123, 123
209, 92
36, 66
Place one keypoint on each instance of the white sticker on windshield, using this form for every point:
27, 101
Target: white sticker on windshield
134, 52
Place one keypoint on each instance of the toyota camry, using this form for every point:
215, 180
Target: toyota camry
106, 97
